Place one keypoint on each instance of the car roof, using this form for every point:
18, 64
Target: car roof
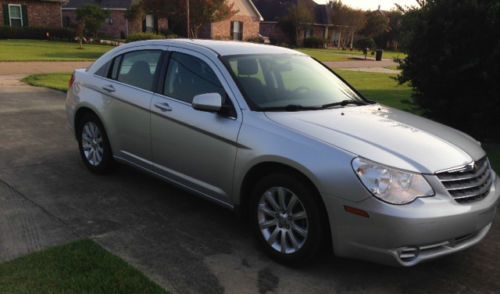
222, 48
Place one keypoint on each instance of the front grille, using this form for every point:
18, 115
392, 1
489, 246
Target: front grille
471, 183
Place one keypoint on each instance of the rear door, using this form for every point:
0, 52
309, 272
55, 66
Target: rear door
194, 148
131, 81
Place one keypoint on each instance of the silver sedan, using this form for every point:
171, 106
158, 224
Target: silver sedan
277, 136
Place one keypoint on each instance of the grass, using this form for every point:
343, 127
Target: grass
380, 87
343, 55
56, 81
39, 50
493, 151
79, 267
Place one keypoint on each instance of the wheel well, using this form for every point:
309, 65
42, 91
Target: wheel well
78, 116
262, 169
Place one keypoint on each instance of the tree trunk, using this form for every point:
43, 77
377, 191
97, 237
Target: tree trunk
352, 41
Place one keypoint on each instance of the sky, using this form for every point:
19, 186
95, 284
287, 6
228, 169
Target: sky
373, 4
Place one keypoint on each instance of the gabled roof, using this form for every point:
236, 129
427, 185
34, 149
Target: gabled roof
256, 10
110, 4
274, 10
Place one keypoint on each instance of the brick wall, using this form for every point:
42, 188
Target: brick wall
40, 14
222, 30
120, 26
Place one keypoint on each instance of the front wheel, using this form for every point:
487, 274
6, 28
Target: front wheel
287, 218
93, 143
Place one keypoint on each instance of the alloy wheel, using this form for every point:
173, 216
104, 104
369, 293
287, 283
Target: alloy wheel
92, 143
283, 220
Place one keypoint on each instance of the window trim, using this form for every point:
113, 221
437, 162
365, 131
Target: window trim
20, 14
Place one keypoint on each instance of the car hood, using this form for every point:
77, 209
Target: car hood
386, 135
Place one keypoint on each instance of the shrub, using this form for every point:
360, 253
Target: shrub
172, 36
364, 43
256, 39
144, 36
453, 63
314, 42
38, 33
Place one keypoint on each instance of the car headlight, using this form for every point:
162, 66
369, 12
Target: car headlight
389, 184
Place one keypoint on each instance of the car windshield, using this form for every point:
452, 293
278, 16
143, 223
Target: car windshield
289, 82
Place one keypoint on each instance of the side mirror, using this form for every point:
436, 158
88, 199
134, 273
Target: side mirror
210, 102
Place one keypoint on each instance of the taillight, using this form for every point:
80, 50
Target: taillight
71, 80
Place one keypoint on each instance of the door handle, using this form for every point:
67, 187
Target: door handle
163, 106
109, 88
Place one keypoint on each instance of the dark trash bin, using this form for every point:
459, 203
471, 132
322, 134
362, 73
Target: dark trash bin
378, 55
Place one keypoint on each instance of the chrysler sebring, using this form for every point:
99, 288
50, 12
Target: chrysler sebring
274, 134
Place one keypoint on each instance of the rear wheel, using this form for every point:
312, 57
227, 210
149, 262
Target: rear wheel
93, 143
287, 218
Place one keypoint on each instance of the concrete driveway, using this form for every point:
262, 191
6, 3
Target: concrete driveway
184, 243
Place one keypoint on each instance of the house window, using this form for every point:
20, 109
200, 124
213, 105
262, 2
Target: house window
15, 15
149, 23
308, 33
66, 21
109, 20
237, 30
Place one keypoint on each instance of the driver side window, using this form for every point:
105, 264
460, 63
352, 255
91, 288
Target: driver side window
188, 76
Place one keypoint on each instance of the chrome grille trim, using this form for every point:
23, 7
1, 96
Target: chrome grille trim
470, 183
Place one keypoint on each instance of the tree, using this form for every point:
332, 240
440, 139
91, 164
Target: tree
391, 38
299, 17
91, 18
202, 12
349, 21
453, 63
135, 12
376, 24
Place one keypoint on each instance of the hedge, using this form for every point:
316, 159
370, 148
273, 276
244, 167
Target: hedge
144, 36
39, 33
314, 42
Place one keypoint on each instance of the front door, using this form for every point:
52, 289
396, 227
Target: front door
193, 148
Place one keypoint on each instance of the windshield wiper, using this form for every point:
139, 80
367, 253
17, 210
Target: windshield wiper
290, 107
342, 103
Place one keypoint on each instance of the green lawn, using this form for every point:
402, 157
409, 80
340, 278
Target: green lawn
343, 55
379, 87
493, 151
56, 81
39, 50
79, 267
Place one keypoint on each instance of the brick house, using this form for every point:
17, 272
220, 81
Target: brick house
244, 25
32, 13
272, 11
117, 25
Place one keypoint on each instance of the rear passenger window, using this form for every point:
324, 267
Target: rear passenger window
188, 76
103, 71
139, 68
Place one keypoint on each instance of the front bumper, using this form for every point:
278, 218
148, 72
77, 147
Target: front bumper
406, 235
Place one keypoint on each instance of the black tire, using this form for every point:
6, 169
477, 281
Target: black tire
106, 163
317, 229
